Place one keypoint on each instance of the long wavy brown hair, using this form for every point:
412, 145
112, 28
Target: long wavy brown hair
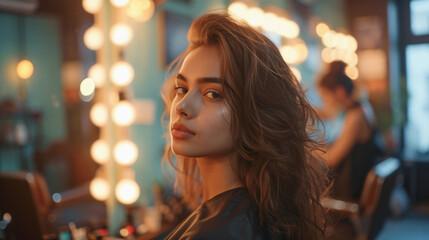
272, 125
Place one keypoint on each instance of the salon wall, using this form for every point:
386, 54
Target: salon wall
145, 54
42, 47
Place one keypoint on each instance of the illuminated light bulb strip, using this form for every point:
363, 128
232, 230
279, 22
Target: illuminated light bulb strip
294, 53
121, 73
339, 47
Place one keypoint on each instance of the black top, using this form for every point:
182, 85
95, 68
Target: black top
351, 173
229, 215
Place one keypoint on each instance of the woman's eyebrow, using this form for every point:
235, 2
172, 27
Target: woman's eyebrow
201, 80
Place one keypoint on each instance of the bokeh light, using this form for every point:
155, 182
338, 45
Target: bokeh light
92, 6
321, 29
125, 152
98, 114
254, 16
238, 10
93, 38
123, 113
122, 73
141, 10
100, 151
25, 69
127, 191
87, 87
119, 3
99, 189
289, 54
97, 73
121, 34
352, 72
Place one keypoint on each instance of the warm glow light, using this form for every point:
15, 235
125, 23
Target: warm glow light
352, 44
124, 113
327, 55
238, 10
99, 189
87, 87
125, 152
100, 151
141, 10
321, 29
351, 59
127, 191
270, 22
98, 74
330, 39
352, 72
98, 114
254, 16
93, 38
289, 54
302, 52
92, 6
121, 34
122, 73
296, 73
287, 28
342, 41
25, 69
119, 3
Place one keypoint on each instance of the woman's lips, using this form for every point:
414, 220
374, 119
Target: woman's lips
180, 131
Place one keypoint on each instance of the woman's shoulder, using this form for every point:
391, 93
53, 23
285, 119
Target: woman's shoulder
229, 215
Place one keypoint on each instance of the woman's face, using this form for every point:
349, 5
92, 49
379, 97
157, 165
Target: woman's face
200, 117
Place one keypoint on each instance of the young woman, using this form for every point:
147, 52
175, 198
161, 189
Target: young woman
240, 135
354, 151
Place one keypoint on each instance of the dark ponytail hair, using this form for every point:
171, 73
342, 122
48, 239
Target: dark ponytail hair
336, 77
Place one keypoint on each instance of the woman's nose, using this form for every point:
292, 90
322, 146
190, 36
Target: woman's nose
188, 105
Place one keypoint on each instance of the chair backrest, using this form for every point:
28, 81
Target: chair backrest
374, 201
25, 197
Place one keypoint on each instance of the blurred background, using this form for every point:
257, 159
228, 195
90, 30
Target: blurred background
80, 103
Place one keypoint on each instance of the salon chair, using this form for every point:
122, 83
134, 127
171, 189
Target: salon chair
32, 214
366, 217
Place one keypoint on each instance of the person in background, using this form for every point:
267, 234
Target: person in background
239, 136
353, 153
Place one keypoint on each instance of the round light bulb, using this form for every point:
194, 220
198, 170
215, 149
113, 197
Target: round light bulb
125, 152
352, 44
99, 189
119, 3
97, 73
287, 28
322, 29
352, 72
87, 87
141, 10
238, 10
122, 73
327, 55
270, 22
329, 39
98, 114
254, 16
92, 6
100, 151
121, 34
25, 69
302, 52
123, 113
93, 38
289, 54
127, 191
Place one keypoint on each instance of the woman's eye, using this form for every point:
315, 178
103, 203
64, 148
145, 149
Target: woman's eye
213, 95
181, 90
